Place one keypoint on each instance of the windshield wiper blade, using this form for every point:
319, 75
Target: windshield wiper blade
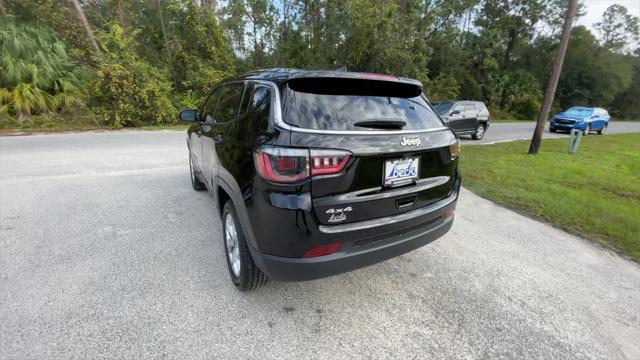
381, 124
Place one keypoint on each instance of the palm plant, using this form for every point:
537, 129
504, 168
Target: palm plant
37, 76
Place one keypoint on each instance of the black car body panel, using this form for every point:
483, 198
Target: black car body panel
283, 221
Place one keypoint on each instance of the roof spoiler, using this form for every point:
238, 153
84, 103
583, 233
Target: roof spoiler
356, 84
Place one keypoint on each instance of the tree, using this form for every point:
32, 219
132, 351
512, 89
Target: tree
86, 25
496, 51
128, 91
617, 27
627, 103
592, 76
553, 81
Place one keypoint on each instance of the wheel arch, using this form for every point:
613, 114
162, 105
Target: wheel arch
228, 189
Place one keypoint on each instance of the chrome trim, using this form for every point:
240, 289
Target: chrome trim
333, 229
280, 123
361, 195
356, 132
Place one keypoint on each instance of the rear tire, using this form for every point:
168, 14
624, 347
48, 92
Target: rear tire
479, 134
195, 182
244, 273
552, 129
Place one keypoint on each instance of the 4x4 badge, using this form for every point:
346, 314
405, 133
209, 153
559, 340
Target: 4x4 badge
410, 141
338, 215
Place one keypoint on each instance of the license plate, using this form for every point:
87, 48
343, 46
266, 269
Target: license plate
401, 171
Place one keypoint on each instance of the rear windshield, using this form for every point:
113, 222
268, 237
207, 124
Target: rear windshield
340, 104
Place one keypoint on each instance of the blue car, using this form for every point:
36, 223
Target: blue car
587, 119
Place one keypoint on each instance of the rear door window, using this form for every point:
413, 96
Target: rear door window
258, 108
229, 101
338, 104
469, 108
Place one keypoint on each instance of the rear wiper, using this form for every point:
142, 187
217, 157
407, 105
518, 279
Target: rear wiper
381, 124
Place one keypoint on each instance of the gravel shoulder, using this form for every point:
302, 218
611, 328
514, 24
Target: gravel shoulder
105, 251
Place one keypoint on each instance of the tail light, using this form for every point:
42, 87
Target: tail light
326, 162
323, 250
454, 150
283, 165
289, 165
448, 214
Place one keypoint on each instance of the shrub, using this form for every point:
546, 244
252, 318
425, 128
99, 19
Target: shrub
37, 75
128, 91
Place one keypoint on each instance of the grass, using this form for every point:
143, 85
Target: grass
594, 193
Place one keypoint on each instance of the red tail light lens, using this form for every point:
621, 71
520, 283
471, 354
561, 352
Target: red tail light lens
448, 214
282, 164
323, 250
289, 165
325, 162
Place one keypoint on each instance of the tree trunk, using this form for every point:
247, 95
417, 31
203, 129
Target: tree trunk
553, 80
120, 13
86, 25
209, 6
3, 12
165, 35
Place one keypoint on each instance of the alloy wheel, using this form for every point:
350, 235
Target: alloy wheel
232, 244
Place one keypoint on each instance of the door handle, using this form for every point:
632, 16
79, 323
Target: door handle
218, 138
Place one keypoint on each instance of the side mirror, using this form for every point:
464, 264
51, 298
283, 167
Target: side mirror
189, 115
455, 112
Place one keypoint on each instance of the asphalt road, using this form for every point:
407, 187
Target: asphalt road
524, 130
106, 252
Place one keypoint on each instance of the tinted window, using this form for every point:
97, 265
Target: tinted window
228, 104
259, 107
246, 97
210, 106
324, 111
458, 107
443, 108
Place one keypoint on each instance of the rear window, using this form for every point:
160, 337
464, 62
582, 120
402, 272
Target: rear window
338, 104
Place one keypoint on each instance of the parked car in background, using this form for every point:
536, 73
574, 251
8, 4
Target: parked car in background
465, 117
587, 119
321, 172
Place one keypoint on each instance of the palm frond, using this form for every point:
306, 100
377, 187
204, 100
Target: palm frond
38, 75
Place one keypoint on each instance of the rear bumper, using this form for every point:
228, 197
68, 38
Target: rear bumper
300, 269
428, 224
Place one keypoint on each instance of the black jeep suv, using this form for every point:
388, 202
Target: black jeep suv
465, 117
321, 172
